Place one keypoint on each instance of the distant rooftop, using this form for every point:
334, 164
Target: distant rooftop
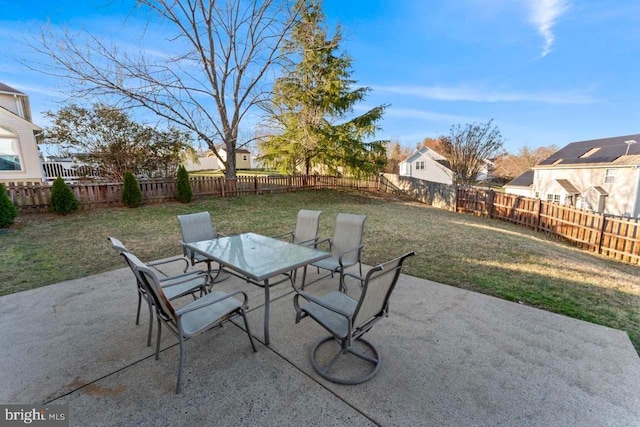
8, 89
524, 180
604, 150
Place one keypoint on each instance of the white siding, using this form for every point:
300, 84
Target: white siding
622, 193
28, 150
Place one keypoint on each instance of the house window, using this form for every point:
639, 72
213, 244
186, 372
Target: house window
554, 198
609, 176
9, 155
419, 165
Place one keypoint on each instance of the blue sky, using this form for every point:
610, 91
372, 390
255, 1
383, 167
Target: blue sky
547, 71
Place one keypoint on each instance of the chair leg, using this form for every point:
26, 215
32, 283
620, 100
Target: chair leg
246, 324
158, 338
179, 384
150, 323
139, 303
323, 371
343, 286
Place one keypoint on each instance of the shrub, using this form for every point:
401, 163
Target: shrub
62, 199
131, 194
8, 212
183, 187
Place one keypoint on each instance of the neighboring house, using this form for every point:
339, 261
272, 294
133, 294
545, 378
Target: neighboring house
601, 175
522, 185
243, 158
428, 165
208, 161
19, 154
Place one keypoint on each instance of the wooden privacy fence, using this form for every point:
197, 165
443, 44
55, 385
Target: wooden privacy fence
614, 237
35, 197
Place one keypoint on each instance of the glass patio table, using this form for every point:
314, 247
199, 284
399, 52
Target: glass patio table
258, 259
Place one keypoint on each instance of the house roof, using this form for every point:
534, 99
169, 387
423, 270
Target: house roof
595, 151
33, 126
567, 186
598, 190
430, 153
524, 180
8, 89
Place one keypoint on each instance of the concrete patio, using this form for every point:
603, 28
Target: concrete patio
450, 357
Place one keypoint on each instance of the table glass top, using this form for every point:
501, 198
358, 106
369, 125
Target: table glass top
256, 256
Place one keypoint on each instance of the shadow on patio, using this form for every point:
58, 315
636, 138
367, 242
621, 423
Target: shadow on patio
449, 357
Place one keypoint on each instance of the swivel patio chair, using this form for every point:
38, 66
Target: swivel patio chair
345, 246
175, 286
192, 319
195, 228
348, 320
306, 232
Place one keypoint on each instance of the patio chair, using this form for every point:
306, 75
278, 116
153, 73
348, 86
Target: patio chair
348, 320
176, 286
195, 228
345, 246
306, 232
192, 319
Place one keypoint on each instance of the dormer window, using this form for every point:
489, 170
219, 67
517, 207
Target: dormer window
590, 152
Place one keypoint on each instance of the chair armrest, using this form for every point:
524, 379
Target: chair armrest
327, 239
207, 301
311, 242
289, 233
185, 278
315, 300
168, 261
188, 276
358, 248
355, 276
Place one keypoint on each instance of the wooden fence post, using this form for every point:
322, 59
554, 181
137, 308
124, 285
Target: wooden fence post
255, 184
538, 213
492, 196
603, 220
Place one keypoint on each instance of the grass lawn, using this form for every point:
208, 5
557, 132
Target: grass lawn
469, 252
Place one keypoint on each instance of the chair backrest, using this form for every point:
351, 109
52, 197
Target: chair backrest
378, 285
148, 278
306, 225
347, 235
196, 227
117, 245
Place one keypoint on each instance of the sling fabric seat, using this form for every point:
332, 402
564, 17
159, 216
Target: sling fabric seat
348, 320
175, 286
195, 228
306, 231
192, 319
345, 246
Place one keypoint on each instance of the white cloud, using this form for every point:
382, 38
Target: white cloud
544, 14
479, 94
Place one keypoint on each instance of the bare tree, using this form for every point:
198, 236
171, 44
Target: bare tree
227, 49
509, 166
468, 147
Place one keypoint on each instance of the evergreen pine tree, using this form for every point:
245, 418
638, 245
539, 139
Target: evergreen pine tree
183, 186
8, 212
131, 194
62, 199
312, 106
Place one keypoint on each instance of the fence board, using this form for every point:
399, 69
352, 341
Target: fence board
617, 238
35, 197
